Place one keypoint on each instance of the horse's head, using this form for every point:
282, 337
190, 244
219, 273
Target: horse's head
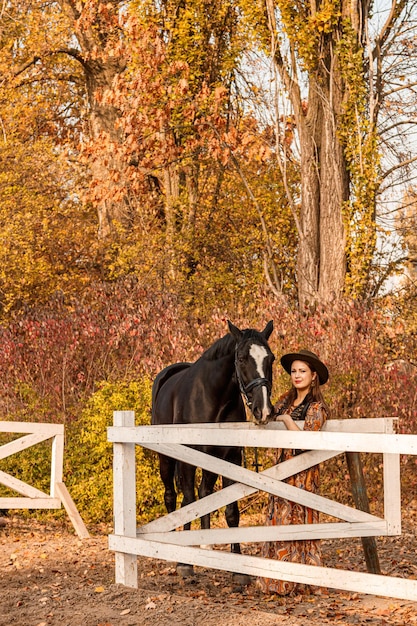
253, 366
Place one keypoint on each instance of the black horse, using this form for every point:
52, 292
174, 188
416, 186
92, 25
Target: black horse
210, 390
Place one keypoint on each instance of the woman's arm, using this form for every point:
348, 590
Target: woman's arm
288, 421
314, 419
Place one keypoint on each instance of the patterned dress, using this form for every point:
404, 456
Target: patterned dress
281, 511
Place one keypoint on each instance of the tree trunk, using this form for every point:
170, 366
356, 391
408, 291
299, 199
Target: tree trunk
103, 127
325, 183
97, 35
321, 259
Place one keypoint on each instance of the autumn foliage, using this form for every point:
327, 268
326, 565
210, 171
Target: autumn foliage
57, 359
151, 188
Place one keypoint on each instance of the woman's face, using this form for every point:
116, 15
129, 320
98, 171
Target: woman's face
301, 375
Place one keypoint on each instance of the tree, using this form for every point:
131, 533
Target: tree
157, 101
333, 73
197, 158
46, 235
146, 95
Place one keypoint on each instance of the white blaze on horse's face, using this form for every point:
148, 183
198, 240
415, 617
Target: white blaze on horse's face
259, 354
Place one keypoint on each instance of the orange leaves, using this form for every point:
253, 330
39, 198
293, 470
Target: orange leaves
220, 94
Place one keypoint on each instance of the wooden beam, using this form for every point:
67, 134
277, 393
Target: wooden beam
71, 509
388, 586
262, 482
124, 499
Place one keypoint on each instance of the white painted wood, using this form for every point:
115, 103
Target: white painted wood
23, 488
124, 498
17, 445
234, 492
392, 489
29, 427
259, 534
377, 435
263, 483
369, 425
57, 461
71, 509
30, 503
256, 566
268, 438
34, 498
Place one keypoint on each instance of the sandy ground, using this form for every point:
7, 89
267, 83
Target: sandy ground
49, 577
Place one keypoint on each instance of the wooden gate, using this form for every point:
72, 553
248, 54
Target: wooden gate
157, 540
30, 497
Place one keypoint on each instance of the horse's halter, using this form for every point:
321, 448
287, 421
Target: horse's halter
256, 382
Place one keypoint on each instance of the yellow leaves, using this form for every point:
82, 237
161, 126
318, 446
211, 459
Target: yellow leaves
326, 18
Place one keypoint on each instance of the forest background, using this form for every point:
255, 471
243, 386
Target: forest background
166, 166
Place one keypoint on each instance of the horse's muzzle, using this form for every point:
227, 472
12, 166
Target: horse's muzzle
263, 415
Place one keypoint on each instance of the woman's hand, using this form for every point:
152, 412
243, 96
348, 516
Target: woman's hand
286, 418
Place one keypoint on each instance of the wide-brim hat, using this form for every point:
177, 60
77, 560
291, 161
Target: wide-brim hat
310, 358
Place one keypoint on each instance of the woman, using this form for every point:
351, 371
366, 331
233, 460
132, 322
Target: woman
303, 401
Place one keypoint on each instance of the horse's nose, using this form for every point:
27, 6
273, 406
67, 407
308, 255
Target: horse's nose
262, 415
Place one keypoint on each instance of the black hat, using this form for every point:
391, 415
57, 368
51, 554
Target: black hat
310, 358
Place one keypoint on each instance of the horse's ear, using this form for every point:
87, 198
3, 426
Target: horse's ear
268, 330
237, 334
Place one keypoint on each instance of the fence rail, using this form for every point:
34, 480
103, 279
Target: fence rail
31, 497
157, 540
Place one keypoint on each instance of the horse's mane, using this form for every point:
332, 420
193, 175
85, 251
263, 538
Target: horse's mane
220, 348
226, 345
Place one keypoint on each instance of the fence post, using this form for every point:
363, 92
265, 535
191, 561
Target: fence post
124, 500
360, 497
392, 487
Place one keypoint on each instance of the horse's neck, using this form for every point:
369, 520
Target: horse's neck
218, 372
221, 390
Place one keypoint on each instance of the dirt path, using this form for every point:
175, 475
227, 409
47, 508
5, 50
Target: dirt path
48, 577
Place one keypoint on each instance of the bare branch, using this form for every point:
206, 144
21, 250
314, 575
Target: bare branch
398, 166
290, 82
388, 27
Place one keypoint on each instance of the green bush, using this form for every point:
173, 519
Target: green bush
32, 466
89, 456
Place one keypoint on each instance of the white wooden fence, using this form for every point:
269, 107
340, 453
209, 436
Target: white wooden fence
157, 540
31, 497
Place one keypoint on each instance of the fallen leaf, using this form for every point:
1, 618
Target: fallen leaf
384, 612
99, 589
150, 605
